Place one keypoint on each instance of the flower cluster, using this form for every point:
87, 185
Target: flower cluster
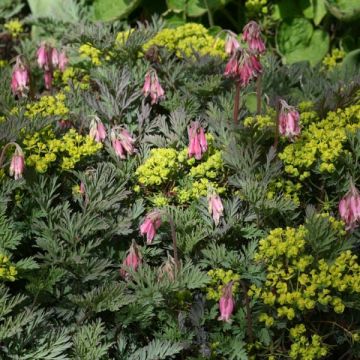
303, 347
43, 148
178, 175
296, 283
289, 189
14, 27
256, 7
7, 270
48, 106
219, 278
334, 59
321, 142
87, 51
186, 39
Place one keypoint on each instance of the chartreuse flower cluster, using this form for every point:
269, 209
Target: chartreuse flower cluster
48, 106
256, 7
89, 52
122, 36
321, 142
186, 39
289, 189
331, 61
170, 172
7, 271
296, 283
43, 148
14, 27
304, 347
219, 278
76, 76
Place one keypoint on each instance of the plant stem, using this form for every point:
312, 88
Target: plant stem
173, 236
3, 152
237, 103
248, 312
210, 15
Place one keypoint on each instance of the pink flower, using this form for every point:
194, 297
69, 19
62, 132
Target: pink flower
63, 61
54, 57
231, 44
17, 164
231, 68
20, 79
248, 68
43, 58
82, 188
132, 260
152, 87
151, 223
349, 208
216, 208
127, 141
197, 141
48, 78
122, 143
288, 120
118, 148
97, 130
252, 35
226, 303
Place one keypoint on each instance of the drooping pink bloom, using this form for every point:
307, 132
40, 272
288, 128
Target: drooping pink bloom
226, 303
152, 87
231, 44
17, 164
20, 79
252, 35
127, 141
63, 60
97, 130
122, 142
82, 188
48, 79
249, 67
349, 208
289, 120
151, 223
216, 208
132, 260
54, 57
43, 58
231, 68
118, 148
197, 141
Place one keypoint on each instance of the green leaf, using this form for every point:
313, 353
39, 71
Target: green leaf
351, 60
65, 10
345, 10
297, 41
284, 9
195, 8
108, 10
293, 34
319, 11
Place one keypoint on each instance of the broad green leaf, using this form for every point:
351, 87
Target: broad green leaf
285, 9
65, 10
195, 8
314, 52
307, 8
108, 10
319, 11
345, 10
351, 60
293, 34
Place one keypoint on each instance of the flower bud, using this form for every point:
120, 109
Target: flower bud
226, 303
252, 35
150, 225
289, 119
216, 208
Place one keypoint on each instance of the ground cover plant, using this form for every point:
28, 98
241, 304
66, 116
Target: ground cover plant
171, 193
